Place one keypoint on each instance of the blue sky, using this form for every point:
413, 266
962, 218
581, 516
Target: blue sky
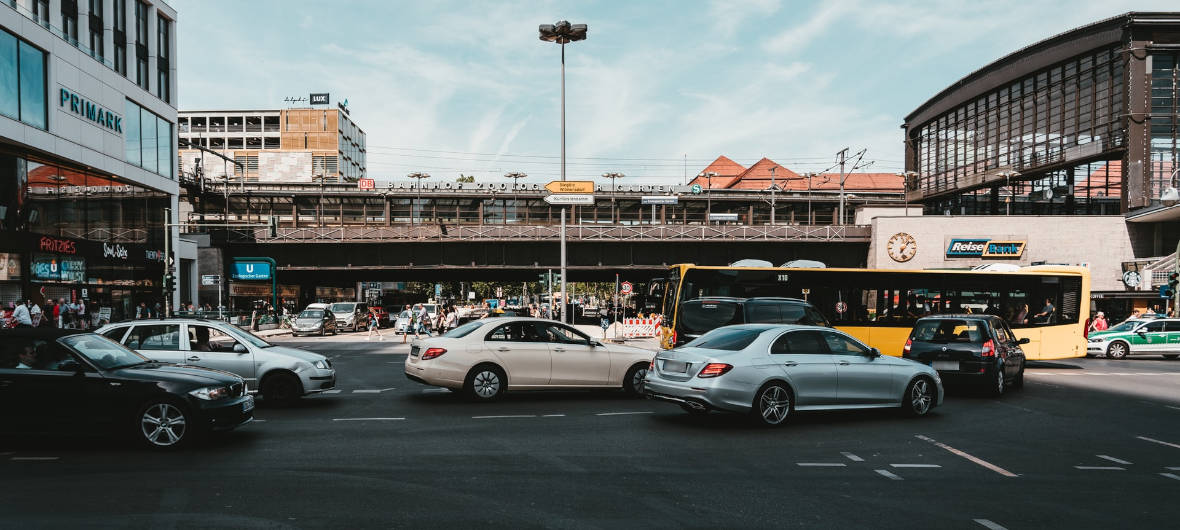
451, 87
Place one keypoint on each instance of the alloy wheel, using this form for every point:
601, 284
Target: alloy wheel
163, 425
637, 380
1117, 351
774, 404
921, 397
486, 384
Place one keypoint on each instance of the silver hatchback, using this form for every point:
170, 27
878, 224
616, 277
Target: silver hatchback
769, 371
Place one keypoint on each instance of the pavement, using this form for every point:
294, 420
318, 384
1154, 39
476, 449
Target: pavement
613, 333
1088, 443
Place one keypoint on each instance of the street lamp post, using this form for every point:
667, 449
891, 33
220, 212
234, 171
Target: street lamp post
773, 188
612, 177
562, 33
515, 176
905, 188
417, 176
1008, 185
709, 196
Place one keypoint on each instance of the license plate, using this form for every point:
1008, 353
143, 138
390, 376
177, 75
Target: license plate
413, 351
248, 405
946, 365
675, 367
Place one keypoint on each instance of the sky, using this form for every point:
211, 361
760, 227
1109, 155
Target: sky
657, 91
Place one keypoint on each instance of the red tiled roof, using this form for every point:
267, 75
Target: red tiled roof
727, 172
860, 182
757, 177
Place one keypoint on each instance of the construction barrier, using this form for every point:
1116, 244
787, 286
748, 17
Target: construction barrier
641, 327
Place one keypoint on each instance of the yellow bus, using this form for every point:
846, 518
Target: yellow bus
1047, 304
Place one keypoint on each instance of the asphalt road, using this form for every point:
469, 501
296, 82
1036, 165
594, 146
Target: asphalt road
1088, 443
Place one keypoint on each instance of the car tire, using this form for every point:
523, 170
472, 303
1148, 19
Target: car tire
772, 405
164, 423
1117, 350
1171, 356
634, 380
485, 383
996, 387
919, 398
1018, 382
283, 388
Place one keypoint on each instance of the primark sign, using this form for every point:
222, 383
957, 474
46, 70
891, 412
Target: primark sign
90, 111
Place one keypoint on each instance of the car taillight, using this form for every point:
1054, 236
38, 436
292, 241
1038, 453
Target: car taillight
909, 345
673, 337
989, 348
431, 353
715, 369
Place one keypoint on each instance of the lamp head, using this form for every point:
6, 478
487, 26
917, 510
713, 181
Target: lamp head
562, 32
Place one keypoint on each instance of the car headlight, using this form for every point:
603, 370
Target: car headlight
1097, 339
322, 364
210, 393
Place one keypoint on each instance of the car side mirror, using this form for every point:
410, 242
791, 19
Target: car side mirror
874, 352
1023, 341
595, 344
1141, 332
240, 348
70, 366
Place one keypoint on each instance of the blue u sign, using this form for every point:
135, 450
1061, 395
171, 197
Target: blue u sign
251, 270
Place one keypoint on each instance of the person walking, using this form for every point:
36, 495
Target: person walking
452, 320
423, 321
1099, 323
374, 327
21, 315
409, 325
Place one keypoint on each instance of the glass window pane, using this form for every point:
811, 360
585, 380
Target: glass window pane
164, 147
131, 132
147, 122
9, 95
32, 86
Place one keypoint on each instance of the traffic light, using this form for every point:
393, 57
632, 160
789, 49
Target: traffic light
274, 227
169, 283
1173, 283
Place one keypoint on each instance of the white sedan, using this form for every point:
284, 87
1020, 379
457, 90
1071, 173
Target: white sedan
487, 357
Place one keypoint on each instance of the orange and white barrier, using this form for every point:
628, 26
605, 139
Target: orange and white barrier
641, 327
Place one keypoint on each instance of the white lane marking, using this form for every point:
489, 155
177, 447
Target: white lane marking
34, 458
1171, 407
553, 416
1115, 460
887, 474
853, 457
820, 464
1100, 468
367, 419
504, 416
990, 525
914, 465
1172, 476
1176, 468
256, 420
366, 391
979, 461
1153, 440
624, 413
435, 390
388, 389
336, 391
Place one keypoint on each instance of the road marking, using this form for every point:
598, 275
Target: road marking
990, 525
1177, 468
624, 413
1100, 468
887, 474
504, 416
388, 389
1172, 476
367, 419
366, 391
553, 416
820, 464
1171, 407
853, 457
1153, 440
435, 390
256, 420
1115, 460
979, 461
34, 458
336, 391
914, 465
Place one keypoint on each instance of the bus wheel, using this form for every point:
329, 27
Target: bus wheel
1117, 350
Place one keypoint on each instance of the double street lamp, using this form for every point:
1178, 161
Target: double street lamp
418, 177
562, 33
515, 176
612, 176
709, 197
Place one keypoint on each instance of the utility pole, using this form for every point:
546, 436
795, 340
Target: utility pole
773, 188
841, 155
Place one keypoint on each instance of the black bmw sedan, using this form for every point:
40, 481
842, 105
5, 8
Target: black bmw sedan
71, 382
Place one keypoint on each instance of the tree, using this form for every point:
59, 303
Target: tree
467, 178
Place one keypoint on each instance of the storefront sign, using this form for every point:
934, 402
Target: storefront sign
318, 99
153, 255
659, 199
984, 248
55, 268
366, 184
251, 270
9, 266
114, 251
241, 289
60, 246
90, 111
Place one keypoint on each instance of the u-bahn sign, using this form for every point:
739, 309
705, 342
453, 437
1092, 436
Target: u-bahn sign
571, 186
570, 199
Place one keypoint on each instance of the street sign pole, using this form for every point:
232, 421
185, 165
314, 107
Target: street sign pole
167, 261
563, 305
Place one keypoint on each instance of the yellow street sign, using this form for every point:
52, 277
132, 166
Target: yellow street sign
571, 186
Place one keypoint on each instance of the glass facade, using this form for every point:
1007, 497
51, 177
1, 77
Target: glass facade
1165, 80
22, 81
148, 140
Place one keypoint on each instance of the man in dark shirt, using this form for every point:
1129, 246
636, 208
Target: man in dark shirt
1046, 314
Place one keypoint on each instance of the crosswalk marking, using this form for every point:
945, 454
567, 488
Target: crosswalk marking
887, 474
1113, 459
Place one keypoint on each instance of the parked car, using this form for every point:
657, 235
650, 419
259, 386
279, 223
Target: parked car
701, 315
311, 321
484, 358
771, 370
976, 349
351, 315
382, 316
71, 382
1154, 336
402, 323
282, 374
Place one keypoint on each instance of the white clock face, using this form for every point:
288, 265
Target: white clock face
902, 247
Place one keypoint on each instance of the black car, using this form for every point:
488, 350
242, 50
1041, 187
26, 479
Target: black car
702, 315
979, 349
75, 382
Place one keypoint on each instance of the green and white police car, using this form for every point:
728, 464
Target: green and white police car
1160, 336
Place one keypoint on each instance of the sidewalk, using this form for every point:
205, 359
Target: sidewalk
595, 332
272, 332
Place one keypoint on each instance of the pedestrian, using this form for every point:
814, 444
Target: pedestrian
452, 320
22, 316
373, 325
80, 314
409, 325
1099, 323
423, 321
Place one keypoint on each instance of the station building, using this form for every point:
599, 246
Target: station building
87, 151
1064, 151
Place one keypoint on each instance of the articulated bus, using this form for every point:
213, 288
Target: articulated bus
879, 307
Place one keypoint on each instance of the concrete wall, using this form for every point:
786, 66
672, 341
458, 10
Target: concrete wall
1101, 242
866, 214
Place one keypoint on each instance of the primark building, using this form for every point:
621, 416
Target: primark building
87, 151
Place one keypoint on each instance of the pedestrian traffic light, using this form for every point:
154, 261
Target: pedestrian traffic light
274, 227
169, 283
1173, 285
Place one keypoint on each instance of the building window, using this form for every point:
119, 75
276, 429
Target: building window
69, 21
96, 30
149, 142
22, 81
141, 50
41, 12
162, 66
120, 34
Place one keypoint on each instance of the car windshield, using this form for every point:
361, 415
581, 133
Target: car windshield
103, 352
1125, 326
731, 339
343, 308
312, 313
247, 336
464, 330
404, 314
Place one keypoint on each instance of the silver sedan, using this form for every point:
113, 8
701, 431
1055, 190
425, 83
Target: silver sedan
769, 371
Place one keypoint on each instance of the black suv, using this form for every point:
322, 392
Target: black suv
74, 382
980, 349
701, 315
